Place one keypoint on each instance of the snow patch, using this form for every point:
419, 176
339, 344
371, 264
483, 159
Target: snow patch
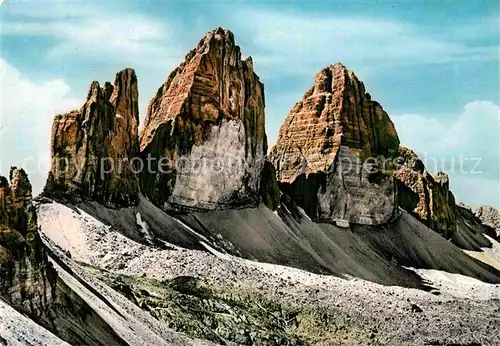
170, 245
191, 230
144, 228
204, 242
215, 252
286, 209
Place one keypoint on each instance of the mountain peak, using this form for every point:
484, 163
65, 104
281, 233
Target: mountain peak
335, 111
211, 40
336, 121
210, 111
223, 32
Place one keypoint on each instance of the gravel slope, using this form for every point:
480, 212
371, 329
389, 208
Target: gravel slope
461, 311
288, 237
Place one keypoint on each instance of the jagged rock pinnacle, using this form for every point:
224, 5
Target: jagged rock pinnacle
92, 148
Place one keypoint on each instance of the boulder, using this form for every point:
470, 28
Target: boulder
204, 134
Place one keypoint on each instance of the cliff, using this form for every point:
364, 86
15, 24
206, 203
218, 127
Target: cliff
93, 148
27, 279
331, 151
204, 130
426, 196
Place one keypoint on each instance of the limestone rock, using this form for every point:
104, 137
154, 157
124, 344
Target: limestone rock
27, 279
335, 111
489, 216
93, 148
204, 133
332, 150
426, 196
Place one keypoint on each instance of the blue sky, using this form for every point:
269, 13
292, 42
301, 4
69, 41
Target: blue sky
433, 66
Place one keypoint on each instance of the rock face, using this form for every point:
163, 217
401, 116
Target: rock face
332, 150
425, 196
27, 279
489, 216
93, 148
335, 111
204, 131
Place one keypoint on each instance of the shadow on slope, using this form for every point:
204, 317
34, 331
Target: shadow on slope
470, 231
161, 225
374, 253
89, 312
412, 244
73, 320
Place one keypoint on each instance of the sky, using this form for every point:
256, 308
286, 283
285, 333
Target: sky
434, 66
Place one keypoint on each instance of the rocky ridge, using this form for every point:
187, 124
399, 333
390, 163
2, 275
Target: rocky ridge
489, 216
27, 279
93, 148
426, 196
205, 130
337, 155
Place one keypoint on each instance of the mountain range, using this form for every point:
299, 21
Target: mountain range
191, 231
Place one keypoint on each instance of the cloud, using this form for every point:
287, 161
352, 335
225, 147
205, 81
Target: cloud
26, 113
93, 39
475, 190
360, 41
88, 32
52, 10
466, 146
